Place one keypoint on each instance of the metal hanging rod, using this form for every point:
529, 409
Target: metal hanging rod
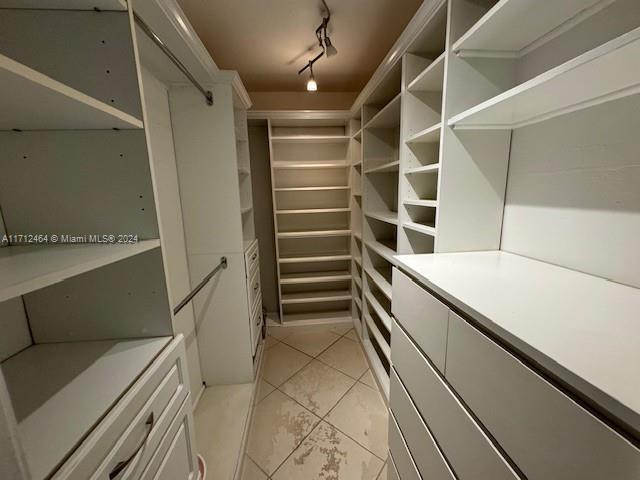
158, 41
222, 265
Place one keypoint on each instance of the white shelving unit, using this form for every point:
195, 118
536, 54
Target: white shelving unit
310, 165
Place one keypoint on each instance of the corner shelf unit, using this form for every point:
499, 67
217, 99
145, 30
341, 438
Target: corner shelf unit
311, 171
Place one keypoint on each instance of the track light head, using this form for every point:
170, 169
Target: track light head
312, 86
330, 50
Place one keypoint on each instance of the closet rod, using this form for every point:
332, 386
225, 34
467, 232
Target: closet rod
205, 280
158, 41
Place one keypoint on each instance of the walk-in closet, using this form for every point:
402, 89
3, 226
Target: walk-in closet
319, 240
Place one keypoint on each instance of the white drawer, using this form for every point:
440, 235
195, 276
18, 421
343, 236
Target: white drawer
253, 285
546, 433
175, 458
423, 448
422, 315
251, 258
256, 324
160, 390
470, 453
401, 457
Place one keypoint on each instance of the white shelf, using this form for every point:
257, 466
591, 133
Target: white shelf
314, 277
29, 268
377, 368
311, 189
382, 344
308, 165
310, 139
358, 282
315, 258
342, 316
428, 135
358, 135
433, 168
312, 210
382, 249
379, 309
582, 329
421, 203
60, 391
33, 101
513, 27
388, 217
357, 164
245, 210
381, 282
243, 171
431, 79
102, 5
315, 233
358, 302
600, 75
358, 260
316, 297
385, 168
418, 227
388, 117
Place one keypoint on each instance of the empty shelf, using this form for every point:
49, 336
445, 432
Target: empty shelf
358, 260
381, 282
320, 257
418, 227
33, 101
358, 135
310, 139
385, 168
388, 217
311, 189
511, 28
309, 165
358, 302
318, 317
382, 344
377, 368
358, 282
315, 233
600, 75
379, 309
312, 210
59, 391
421, 203
434, 167
428, 135
384, 249
314, 277
431, 79
388, 117
316, 297
28, 268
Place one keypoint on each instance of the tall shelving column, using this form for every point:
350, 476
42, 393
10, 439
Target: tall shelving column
355, 181
310, 178
422, 90
244, 175
380, 157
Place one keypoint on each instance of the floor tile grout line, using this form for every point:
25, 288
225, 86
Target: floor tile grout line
260, 468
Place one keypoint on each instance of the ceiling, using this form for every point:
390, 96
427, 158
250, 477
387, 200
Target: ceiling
268, 41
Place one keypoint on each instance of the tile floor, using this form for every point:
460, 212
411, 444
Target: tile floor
319, 413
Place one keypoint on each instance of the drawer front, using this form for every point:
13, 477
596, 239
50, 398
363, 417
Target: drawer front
422, 315
545, 432
175, 458
421, 444
401, 456
470, 453
256, 324
251, 259
161, 389
254, 288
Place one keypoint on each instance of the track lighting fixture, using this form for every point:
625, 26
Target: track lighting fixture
327, 49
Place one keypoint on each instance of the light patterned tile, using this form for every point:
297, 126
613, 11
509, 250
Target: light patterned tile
328, 454
362, 415
264, 389
279, 426
341, 329
383, 473
352, 335
250, 471
311, 342
270, 341
367, 379
279, 333
281, 362
346, 356
318, 387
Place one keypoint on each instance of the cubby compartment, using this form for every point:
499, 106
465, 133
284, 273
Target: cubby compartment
310, 177
327, 310
312, 198
381, 237
312, 221
303, 249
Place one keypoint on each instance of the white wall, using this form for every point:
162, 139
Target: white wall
263, 214
171, 226
573, 191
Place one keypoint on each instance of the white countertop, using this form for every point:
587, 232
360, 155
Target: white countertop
583, 329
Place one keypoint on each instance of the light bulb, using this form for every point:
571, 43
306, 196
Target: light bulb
330, 50
312, 86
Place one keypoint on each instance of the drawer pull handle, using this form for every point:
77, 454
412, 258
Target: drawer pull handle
256, 287
253, 257
122, 465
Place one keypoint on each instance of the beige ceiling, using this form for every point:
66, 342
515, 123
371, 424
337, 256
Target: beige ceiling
268, 41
